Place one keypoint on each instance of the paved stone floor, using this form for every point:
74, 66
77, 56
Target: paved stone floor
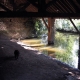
31, 65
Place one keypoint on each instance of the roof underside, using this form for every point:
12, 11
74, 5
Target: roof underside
40, 8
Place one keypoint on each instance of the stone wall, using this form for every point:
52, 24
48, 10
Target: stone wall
15, 28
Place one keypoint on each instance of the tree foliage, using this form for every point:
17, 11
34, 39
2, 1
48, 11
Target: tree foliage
64, 41
40, 27
36, 26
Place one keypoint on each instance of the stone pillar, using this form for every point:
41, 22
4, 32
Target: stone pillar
51, 31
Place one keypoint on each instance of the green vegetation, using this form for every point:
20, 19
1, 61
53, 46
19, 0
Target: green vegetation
40, 27
63, 40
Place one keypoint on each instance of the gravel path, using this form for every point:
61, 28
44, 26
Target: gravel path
31, 65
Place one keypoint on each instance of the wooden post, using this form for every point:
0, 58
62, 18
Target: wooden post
79, 54
51, 31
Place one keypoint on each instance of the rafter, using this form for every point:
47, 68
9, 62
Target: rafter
33, 3
74, 25
41, 6
63, 4
51, 3
45, 23
23, 7
74, 5
5, 8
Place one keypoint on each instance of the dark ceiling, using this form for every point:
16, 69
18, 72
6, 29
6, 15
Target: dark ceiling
40, 8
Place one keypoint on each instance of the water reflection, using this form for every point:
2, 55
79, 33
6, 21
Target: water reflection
55, 52
44, 39
74, 54
72, 58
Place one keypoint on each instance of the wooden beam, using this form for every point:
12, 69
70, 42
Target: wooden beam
68, 7
41, 6
3, 7
33, 3
75, 6
51, 31
74, 25
23, 7
51, 3
45, 23
68, 32
79, 54
63, 4
37, 14
13, 4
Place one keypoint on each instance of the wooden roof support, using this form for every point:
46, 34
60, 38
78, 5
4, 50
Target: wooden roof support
33, 3
23, 7
51, 3
79, 42
45, 23
13, 4
68, 32
63, 4
63, 9
51, 31
3, 7
76, 7
79, 54
70, 6
37, 14
41, 6
74, 25
26, 5
58, 8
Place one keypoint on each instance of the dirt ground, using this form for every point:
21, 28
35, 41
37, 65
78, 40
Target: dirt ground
32, 65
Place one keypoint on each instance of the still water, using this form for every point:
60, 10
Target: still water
40, 44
